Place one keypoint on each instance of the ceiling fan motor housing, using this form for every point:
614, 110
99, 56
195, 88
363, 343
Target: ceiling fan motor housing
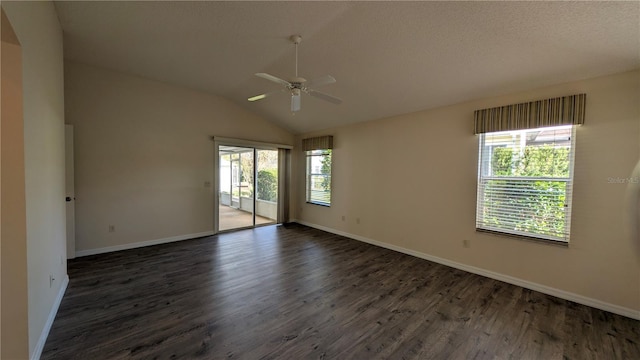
298, 80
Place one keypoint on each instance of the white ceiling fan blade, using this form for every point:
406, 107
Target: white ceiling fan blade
275, 79
295, 102
323, 96
262, 96
321, 81
258, 97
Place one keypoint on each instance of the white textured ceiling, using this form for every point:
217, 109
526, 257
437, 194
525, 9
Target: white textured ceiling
388, 58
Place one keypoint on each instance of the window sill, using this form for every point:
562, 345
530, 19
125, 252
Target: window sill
564, 244
319, 204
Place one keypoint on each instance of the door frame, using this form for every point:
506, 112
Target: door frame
284, 174
70, 196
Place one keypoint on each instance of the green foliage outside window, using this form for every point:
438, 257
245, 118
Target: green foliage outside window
326, 169
537, 161
539, 205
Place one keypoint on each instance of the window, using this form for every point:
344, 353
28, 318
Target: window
319, 176
525, 181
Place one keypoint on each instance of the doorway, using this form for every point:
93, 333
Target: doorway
248, 187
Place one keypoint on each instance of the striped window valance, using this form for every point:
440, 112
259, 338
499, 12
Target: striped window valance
317, 143
566, 110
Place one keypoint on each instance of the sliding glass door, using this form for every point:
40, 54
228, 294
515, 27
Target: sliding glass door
266, 200
247, 187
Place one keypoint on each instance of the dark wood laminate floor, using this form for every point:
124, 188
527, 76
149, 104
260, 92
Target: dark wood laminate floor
294, 292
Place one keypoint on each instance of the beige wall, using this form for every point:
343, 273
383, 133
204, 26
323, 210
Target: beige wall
36, 25
411, 180
143, 154
14, 335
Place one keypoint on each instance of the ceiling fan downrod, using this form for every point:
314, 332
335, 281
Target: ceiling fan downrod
296, 39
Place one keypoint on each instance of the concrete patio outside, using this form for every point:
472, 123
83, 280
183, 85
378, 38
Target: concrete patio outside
232, 218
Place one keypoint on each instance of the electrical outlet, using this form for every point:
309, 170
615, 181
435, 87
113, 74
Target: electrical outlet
112, 228
466, 243
51, 279
207, 184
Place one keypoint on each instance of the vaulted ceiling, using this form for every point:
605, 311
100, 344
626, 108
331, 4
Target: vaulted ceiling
388, 58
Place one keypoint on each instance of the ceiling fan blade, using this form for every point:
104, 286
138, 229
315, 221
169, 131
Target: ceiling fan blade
321, 81
262, 96
275, 79
323, 96
258, 97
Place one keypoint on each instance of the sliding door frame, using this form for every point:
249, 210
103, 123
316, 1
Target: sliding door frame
284, 175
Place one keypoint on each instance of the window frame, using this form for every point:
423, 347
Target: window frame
309, 175
483, 156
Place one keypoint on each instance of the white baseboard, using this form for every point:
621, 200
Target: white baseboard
141, 244
634, 314
37, 352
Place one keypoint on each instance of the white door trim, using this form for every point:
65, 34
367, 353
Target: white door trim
70, 191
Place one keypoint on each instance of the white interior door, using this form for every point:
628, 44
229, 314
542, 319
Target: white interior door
70, 193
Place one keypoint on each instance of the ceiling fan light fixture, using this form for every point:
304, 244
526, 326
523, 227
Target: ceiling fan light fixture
295, 100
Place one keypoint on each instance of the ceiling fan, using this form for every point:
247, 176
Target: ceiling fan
298, 85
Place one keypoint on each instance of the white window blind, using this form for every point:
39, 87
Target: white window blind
319, 177
525, 182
